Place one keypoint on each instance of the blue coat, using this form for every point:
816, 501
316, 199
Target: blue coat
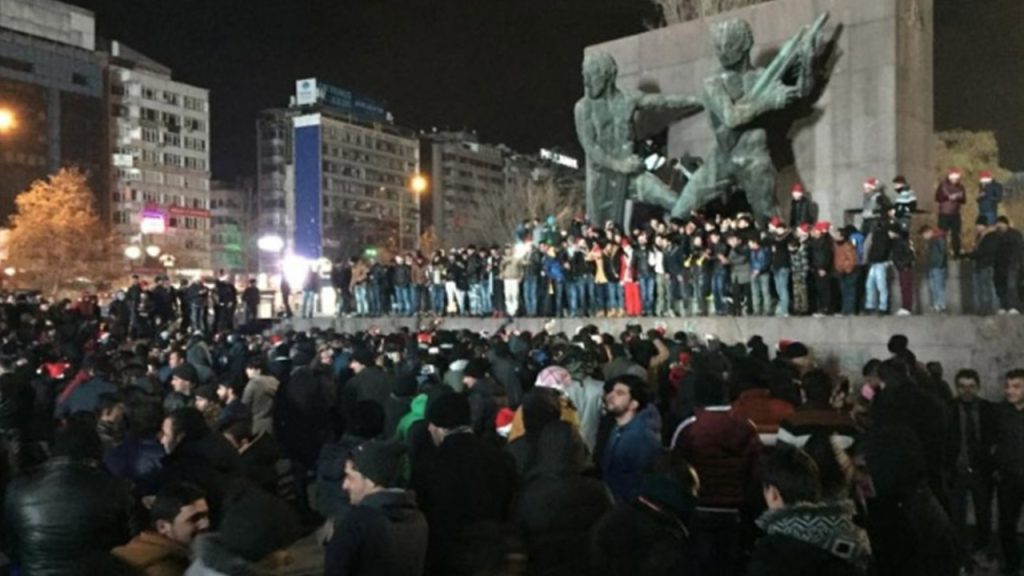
631, 451
85, 397
760, 259
990, 196
553, 268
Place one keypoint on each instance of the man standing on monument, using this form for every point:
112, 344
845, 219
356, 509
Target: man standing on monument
950, 196
606, 127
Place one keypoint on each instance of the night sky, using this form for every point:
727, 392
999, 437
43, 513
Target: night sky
507, 68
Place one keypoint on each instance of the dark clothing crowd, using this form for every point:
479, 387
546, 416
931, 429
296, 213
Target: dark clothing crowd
707, 266
442, 453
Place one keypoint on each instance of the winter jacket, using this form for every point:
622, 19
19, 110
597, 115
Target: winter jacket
800, 213
1011, 252
766, 412
989, 197
902, 253
875, 204
360, 271
636, 540
905, 204
138, 460
779, 246
553, 268
370, 384
301, 415
986, 251
211, 463
558, 505
844, 258
641, 259
629, 453
821, 253
385, 535
807, 539
65, 516
474, 268
511, 269
798, 258
879, 245
937, 250
950, 197
85, 397
1009, 448
155, 555
259, 396
722, 447
403, 275
462, 522
760, 260
739, 264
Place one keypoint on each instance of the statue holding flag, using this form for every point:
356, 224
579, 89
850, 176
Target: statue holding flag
736, 99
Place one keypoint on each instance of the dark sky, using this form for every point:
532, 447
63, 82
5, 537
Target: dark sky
507, 68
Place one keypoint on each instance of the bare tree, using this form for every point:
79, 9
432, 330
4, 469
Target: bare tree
534, 194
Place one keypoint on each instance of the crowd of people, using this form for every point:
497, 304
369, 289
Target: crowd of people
441, 452
705, 266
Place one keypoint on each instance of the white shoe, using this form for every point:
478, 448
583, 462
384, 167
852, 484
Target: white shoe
1013, 312
903, 312
1002, 312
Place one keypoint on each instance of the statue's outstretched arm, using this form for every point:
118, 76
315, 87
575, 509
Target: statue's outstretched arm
748, 108
683, 103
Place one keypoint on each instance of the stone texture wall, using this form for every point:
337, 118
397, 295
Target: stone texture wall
992, 345
873, 119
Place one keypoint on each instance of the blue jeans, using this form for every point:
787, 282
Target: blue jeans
990, 216
782, 290
437, 298
588, 293
877, 288
720, 289
985, 299
574, 291
557, 289
600, 298
848, 293
308, 303
761, 294
362, 302
403, 297
937, 287
476, 298
373, 299
614, 293
530, 295
647, 293
486, 292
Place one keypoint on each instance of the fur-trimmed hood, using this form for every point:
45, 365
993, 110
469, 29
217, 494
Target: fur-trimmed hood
826, 525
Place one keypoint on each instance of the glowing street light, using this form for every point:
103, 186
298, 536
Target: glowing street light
10, 271
8, 121
133, 252
152, 250
419, 184
270, 243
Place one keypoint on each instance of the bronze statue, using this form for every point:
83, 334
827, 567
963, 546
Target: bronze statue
605, 125
736, 99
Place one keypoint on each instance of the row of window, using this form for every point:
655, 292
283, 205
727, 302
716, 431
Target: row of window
367, 141
28, 68
135, 195
171, 120
183, 222
176, 180
166, 96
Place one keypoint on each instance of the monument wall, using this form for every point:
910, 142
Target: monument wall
874, 117
991, 345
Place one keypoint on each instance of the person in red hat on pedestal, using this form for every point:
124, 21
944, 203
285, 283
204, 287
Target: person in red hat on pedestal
875, 204
990, 194
800, 207
822, 259
950, 196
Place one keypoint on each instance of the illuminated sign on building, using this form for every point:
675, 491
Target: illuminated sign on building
560, 159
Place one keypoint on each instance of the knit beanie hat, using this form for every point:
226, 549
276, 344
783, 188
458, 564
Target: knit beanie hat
364, 356
476, 368
379, 461
556, 378
207, 392
255, 524
186, 371
450, 410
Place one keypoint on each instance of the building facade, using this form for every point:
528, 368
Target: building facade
160, 153
230, 236
333, 176
466, 179
52, 86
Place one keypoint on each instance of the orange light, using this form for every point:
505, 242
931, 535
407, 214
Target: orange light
7, 120
419, 184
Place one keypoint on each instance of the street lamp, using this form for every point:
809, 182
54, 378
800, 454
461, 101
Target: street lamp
418, 184
152, 250
8, 121
270, 243
133, 252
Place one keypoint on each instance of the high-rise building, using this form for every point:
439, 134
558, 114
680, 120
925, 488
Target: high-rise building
229, 226
466, 179
333, 175
52, 96
160, 137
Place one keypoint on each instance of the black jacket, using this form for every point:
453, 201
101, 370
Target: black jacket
301, 414
821, 253
800, 213
464, 523
978, 456
66, 516
251, 296
986, 252
880, 246
385, 535
780, 251
635, 540
1009, 441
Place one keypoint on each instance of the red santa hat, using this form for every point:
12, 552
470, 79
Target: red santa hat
775, 221
953, 172
873, 182
985, 175
823, 226
503, 421
805, 227
798, 188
